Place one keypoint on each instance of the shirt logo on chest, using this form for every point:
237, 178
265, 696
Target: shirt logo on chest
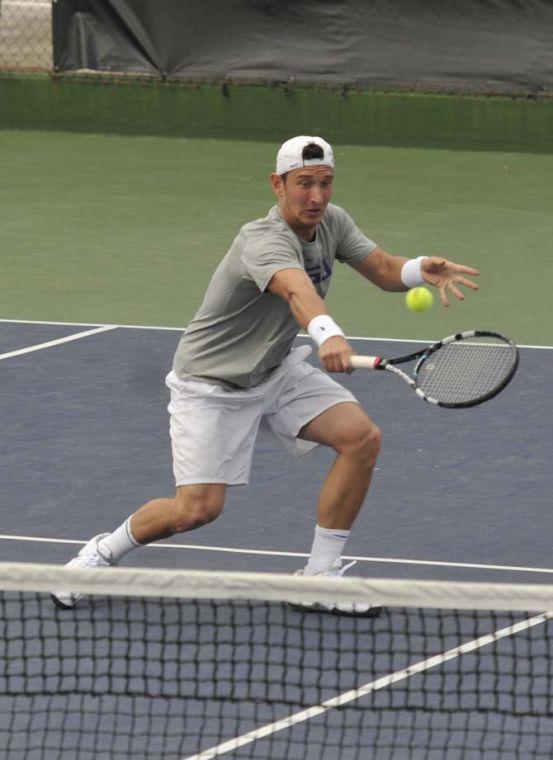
318, 271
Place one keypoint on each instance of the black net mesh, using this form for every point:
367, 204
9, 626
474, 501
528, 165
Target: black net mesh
134, 677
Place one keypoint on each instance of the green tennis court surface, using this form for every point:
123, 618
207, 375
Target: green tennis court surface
127, 230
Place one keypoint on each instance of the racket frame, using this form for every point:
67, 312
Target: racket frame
389, 365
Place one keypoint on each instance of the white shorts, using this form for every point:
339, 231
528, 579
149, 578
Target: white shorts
213, 430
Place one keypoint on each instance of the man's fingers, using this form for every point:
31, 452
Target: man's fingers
447, 276
436, 263
457, 293
467, 270
337, 362
467, 283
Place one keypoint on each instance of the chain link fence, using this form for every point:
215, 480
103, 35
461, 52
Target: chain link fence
26, 35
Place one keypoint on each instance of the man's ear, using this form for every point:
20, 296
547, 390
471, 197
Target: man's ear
277, 183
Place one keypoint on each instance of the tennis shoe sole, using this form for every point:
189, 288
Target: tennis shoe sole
370, 612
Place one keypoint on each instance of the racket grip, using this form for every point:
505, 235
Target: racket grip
364, 362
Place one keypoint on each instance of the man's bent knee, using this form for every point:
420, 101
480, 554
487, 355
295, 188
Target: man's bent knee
197, 505
362, 442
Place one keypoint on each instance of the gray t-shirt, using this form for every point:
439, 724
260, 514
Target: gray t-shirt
241, 332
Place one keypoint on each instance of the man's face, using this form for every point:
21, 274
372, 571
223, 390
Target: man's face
303, 195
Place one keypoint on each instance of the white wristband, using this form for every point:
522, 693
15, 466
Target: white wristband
411, 272
322, 328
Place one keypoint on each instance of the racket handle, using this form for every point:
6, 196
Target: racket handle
365, 362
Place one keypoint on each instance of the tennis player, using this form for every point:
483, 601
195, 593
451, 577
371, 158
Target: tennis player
235, 367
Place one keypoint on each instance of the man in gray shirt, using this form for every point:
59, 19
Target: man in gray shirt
235, 368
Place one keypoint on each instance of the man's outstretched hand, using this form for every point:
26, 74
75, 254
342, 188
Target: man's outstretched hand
447, 276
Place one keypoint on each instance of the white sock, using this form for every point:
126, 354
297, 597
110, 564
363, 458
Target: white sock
328, 545
118, 543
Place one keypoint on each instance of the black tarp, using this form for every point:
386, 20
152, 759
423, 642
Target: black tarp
436, 45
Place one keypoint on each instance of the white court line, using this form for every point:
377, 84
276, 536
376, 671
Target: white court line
267, 553
381, 683
57, 342
87, 324
181, 329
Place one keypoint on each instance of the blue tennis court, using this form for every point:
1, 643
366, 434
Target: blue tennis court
458, 494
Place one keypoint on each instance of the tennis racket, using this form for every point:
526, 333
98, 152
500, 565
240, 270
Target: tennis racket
459, 371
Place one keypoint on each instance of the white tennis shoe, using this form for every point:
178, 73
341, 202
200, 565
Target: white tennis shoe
89, 556
349, 609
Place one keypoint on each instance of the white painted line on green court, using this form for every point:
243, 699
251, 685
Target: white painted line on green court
361, 691
269, 553
57, 342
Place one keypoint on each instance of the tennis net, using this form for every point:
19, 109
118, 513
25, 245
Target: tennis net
198, 665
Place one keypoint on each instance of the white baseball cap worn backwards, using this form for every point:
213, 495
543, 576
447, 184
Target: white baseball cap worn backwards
290, 155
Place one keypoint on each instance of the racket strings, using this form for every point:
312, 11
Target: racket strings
464, 371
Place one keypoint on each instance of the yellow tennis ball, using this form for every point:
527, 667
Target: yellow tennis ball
419, 300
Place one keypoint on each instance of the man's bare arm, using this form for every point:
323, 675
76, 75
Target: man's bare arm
384, 270
295, 287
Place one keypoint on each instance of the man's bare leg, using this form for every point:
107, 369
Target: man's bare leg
356, 439
351, 433
191, 507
